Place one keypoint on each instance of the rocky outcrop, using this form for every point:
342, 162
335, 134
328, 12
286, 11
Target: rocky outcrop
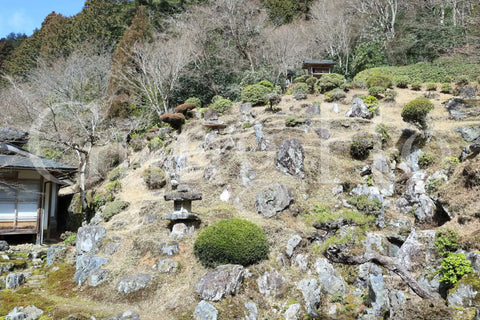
27, 313
55, 254
90, 239
271, 283
464, 295
169, 248
359, 109
134, 282
15, 280
331, 281
4, 245
311, 294
205, 311
293, 312
469, 134
224, 280
460, 109
470, 151
273, 200
418, 250
85, 265
166, 266
290, 158
97, 277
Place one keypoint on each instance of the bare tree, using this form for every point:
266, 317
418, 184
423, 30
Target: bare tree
63, 105
383, 15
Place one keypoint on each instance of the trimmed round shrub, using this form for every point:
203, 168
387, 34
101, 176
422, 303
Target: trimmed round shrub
272, 99
175, 120
446, 87
184, 108
195, 101
329, 82
300, 91
267, 84
234, 241
155, 144
416, 85
402, 82
377, 92
301, 79
390, 95
431, 86
416, 111
380, 80
222, 105
311, 84
334, 95
154, 178
426, 159
359, 84
256, 93
361, 146
117, 173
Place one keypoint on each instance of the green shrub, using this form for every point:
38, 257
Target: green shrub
195, 101
255, 93
382, 130
377, 92
416, 111
155, 144
113, 187
434, 184
453, 267
450, 163
426, 159
137, 142
234, 241
359, 84
293, 121
446, 87
372, 103
380, 80
70, 239
334, 95
154, 178
114, 208
361, 146
329, 82
431, 86
222, 105
216, 98
402, 81
301, 79
462, 80
446, 241
272, 99
390, 95
300, 91
117, 173
246, 125
363, 204
311, 84
416, 85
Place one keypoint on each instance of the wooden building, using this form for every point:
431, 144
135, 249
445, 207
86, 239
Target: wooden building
29, 188
317, 68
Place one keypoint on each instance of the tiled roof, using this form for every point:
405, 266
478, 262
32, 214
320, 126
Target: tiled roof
13, 136
318, 61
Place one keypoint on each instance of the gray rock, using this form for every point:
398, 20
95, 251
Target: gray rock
5, 267
210, 115
210, 172
97, 277
397, 304
383, 175
418, 251
224, 280
134, 282
292, 244
299, 96
180, 162
323, 133
211, 141
127, 315
313, 109
463, 296
246, 173
273, 200
245, 108
151, 218
378, 295
251, 313
474, 260
85, 265
4, 245
111, 248
205, 311
468, 92
330, 280
167, 266
470, 151
359, 109
55, 254
16, 314
460, 109
427, 282
290, 158
170, 248
258, 129
301, 261
293, 312
311, 294
15, 280
180, 230
271, 283
89, 239
469, 134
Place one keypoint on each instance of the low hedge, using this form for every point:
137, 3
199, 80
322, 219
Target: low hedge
234, 241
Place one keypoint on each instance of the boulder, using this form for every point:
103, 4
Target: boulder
4, 245
468, 92
180, 230
167, 266
127, 315
474, 258
15, 280
292, 244
418, 250
97, 277
205, 311
273, 200
262, 143
90, 239
383, 175
246, 173
469, 134
397, 304
290, 158
251, 311
470, 151
359, 109
311, 294
293, 312
332, 283
378, 296
170, 248
6, 266
211, 142
301, 261
460, 109
323, 133
134, 282
86, 264
313, 109
55, 254
464, 295
224, 280
271, 283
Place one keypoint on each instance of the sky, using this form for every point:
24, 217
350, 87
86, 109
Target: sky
24, 16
